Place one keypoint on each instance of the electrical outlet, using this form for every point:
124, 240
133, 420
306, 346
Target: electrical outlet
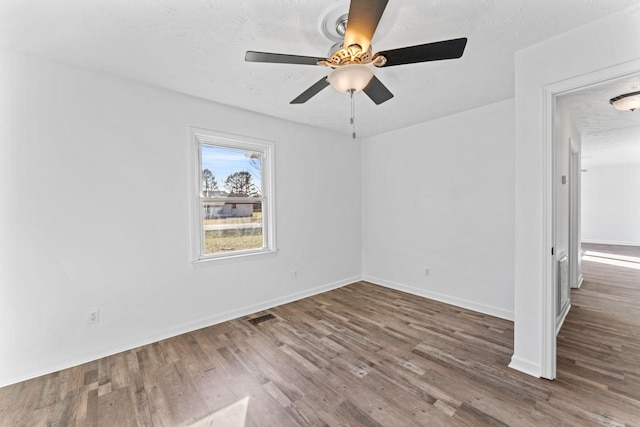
93, 316
294, 274
427, 271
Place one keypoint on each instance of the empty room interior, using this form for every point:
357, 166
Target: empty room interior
319, 213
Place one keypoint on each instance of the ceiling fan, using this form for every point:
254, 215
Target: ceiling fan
351, 63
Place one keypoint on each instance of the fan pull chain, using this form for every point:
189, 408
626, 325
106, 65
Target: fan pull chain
353, 114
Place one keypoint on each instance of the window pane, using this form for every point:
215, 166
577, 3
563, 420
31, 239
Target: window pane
229, 227
230, 172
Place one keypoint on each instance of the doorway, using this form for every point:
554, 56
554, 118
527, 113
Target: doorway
588, 133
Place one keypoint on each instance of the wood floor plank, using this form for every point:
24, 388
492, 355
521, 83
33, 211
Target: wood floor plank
363, 355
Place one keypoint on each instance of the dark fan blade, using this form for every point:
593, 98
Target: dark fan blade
312, 91
447, 49
279, 58
362, 22
377, 91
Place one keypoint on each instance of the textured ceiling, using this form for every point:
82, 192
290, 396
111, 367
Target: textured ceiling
197, 47
609, 137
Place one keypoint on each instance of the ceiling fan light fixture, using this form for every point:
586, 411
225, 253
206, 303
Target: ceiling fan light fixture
351, 58
350, 77
626, 102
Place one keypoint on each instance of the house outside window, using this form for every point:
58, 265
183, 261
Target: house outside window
233, 207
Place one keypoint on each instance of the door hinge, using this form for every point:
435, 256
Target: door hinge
552, 251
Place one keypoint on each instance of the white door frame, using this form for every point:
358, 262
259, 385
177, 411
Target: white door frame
575, 227
549, 294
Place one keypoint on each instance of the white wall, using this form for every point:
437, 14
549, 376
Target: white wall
566, 184
568, 143
563, 130
440, 195
613, 41
611, 205
94, 213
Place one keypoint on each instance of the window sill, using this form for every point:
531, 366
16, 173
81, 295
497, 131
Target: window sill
224, 259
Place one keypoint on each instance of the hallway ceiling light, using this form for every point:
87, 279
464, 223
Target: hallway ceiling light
626, 102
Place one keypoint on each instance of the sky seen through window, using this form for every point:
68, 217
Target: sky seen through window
222, 162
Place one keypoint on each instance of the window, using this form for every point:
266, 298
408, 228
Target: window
233, 188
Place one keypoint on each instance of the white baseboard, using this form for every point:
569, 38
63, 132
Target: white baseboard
526, 366
610, 242
580, 280
76, 359
448, 299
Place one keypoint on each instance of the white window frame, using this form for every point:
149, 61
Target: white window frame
200, 137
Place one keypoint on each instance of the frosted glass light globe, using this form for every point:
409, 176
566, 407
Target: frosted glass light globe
351, 76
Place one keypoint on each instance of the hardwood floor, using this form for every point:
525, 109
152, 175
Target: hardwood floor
361, 355
599, 344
